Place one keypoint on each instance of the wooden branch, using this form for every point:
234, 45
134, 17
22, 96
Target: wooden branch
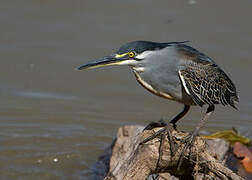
130, 161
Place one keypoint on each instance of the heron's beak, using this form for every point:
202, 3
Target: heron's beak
106, 61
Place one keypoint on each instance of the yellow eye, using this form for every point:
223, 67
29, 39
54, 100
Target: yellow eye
131, 54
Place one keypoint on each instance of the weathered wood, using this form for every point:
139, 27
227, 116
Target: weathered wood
130, 161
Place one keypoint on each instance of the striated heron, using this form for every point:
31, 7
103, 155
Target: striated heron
177, 72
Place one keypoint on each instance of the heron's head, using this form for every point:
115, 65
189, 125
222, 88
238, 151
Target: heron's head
132, 54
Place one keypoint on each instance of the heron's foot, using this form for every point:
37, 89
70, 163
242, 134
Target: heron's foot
162, 133
153, 125
167, 129
188, 142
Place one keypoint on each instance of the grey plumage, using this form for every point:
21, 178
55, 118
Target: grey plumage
205, 82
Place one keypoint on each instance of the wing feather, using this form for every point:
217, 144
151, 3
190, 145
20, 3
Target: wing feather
208, 84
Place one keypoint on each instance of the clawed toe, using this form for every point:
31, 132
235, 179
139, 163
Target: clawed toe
188, 142
156, 134
162, 133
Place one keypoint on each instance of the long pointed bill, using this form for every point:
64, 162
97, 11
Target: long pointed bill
105, 61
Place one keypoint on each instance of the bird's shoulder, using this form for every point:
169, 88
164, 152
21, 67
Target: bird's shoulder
188, 53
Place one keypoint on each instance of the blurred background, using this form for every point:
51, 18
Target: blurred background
55, 122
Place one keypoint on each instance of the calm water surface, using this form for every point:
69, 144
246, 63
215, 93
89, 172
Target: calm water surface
55, 122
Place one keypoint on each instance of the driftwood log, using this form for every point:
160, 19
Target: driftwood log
130, 161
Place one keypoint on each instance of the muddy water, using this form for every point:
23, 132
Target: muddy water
54, 121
